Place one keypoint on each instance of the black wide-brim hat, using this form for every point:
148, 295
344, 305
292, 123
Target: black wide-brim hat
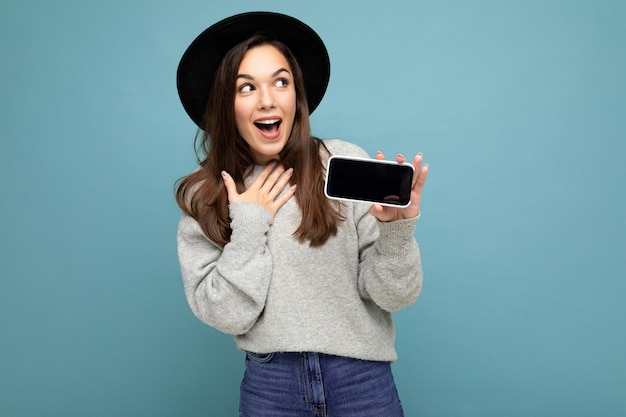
201, 59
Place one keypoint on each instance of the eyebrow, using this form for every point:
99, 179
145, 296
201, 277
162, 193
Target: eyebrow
250, 77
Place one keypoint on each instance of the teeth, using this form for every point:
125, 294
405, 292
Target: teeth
267, 122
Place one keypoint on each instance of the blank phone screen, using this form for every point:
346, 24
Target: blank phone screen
369, 180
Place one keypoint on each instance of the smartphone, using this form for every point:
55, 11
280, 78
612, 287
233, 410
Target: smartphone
369, 180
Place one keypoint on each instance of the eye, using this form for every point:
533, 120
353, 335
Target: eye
281, 82
245, 88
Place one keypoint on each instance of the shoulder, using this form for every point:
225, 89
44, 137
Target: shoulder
340, 147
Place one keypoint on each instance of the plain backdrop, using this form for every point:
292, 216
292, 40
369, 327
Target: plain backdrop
518, 106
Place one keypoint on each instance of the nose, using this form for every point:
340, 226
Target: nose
266, 98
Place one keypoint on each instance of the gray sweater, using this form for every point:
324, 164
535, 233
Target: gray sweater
273, 293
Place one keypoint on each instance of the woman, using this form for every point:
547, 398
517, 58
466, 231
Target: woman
305, 285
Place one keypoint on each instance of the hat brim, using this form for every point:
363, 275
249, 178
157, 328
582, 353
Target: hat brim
201, 59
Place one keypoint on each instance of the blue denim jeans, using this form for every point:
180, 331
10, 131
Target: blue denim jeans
317, 385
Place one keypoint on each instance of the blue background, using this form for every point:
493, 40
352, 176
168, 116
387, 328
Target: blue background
518, 106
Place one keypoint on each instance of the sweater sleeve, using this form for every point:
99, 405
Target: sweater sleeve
226, 287
390, 269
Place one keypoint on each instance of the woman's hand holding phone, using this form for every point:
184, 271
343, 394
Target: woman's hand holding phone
388, 213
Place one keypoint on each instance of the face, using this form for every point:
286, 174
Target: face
265, 102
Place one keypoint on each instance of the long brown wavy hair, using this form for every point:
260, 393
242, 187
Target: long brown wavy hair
202, 194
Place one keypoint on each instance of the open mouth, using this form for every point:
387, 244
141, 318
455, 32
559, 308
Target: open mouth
268, 126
